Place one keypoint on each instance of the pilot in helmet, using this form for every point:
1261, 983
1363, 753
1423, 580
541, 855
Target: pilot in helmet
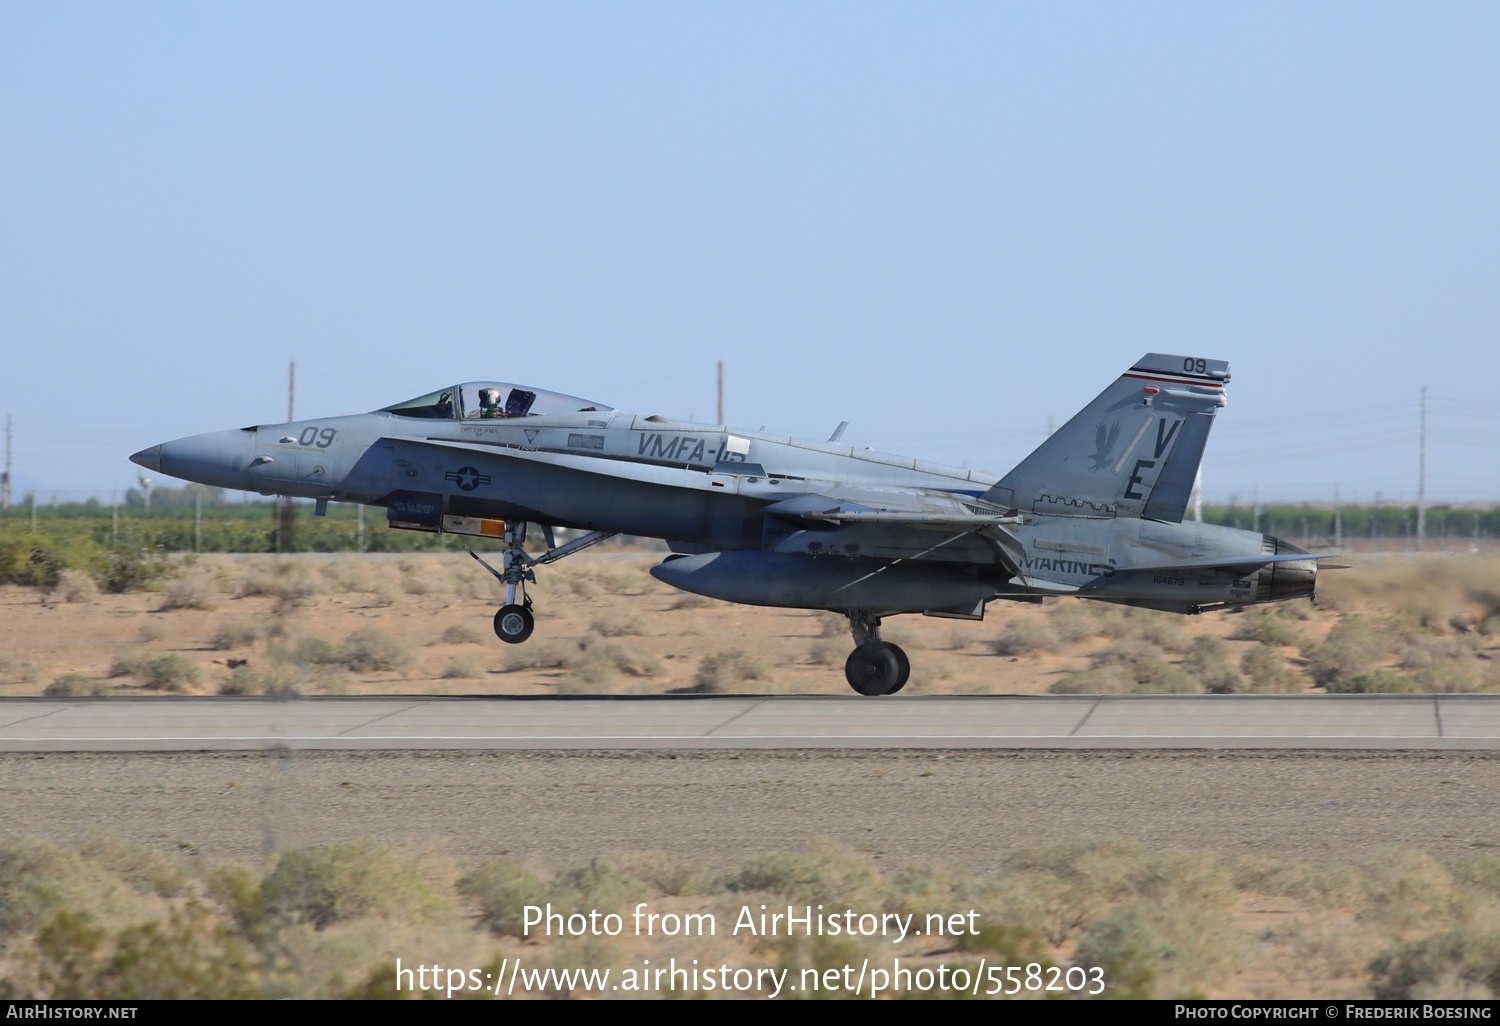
489, 404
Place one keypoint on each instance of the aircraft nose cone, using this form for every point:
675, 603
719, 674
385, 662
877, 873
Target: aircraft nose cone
149, 458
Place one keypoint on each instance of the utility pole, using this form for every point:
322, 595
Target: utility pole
1338, 520
5, 477
1422, 475
721, 392
284, 520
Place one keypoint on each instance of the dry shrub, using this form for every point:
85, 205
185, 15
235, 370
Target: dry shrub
718, 672
150, 632
1376, 682
664, 872
1072, 622
1268, 673
78, 685
464, 666
1024, 636
171, 672
243, 680
1165, 631
76, 586
502, 888
826, 653
825, 871
349, 575
282, 580
1208, 661
371, 650
1139, 669
195, 592
235, 634
1096, 680
549, 655
129, 662
1354, 645
613, 625
349, 880
462, 634
1269, 627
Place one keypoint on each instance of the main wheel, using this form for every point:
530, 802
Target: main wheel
514, 624
877, 668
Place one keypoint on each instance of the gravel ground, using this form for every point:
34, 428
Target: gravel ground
966, 808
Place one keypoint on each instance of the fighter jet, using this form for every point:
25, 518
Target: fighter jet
1096, 512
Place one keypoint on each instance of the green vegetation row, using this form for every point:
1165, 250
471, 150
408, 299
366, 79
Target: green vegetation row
112, 920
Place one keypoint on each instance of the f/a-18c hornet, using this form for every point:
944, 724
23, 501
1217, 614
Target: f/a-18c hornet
1095, 512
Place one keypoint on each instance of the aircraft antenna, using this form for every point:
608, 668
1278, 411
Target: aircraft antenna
1422, 474
721, 392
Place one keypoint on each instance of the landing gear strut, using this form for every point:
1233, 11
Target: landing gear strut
514, 621
875, 667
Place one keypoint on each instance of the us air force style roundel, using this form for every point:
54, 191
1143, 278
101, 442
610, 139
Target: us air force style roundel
467, 478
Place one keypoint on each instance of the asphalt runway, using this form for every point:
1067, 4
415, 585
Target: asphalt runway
1309, 722
964, 781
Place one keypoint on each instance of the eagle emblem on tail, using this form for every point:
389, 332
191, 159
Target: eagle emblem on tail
1104, 442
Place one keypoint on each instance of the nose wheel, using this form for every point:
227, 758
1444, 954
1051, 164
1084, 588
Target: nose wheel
875, 667
514, 621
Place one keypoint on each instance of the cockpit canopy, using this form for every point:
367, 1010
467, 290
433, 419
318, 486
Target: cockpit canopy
490, 400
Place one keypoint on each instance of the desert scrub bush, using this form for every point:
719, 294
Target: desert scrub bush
1166, 631
235, 634
1096, 680
1267, 672
1461, 963
1021, 637
141, 868
1405, 889
1076, 621
1059, 887
824, 652
615, 625
196, 592
78, 685
171, 672
1354, 645
370, 650
602, 882
502, 888
1207, 661
348, 880
39, 880
722, 670
824, 871
307, 652
462, 634
465, 666
283, 580
76, 586
245, 681
1269, 627
1376, 682
549, 655
129, 661
150, 632
665, 873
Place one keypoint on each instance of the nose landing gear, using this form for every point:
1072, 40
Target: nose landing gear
514, 621
875, 667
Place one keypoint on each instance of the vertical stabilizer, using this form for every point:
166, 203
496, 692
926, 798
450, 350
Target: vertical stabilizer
1132, 452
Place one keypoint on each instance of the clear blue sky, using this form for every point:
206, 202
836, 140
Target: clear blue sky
945, 223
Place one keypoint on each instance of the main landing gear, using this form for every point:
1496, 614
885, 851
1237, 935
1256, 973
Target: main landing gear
514, 621
875, 667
